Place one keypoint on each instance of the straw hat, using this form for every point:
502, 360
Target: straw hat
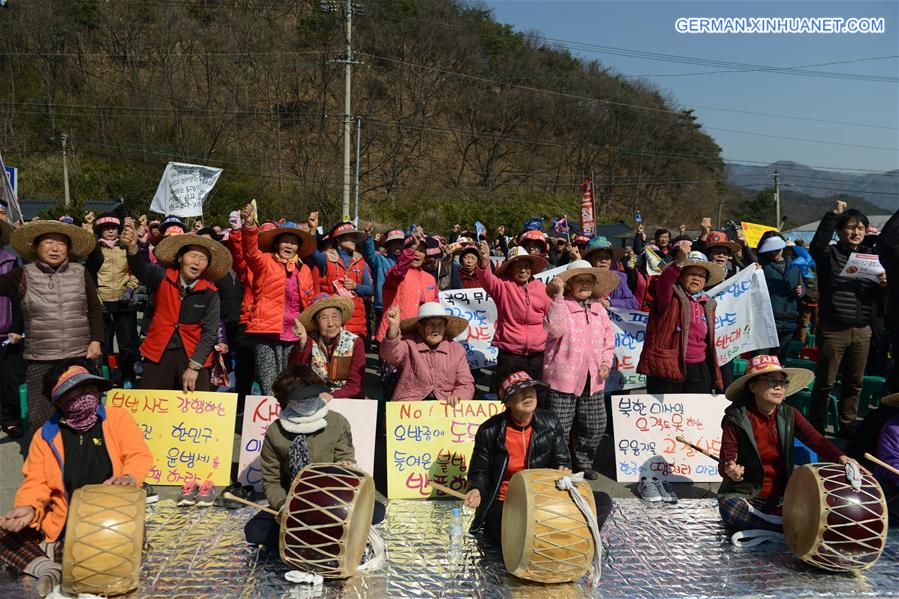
890, 401
307, 242
715, 272
454, 325
518, 253
323, 301
799, 378
720, 239
600, 243
605, 280
81, 241
219, 257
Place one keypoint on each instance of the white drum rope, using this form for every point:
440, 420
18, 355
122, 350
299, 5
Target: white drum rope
567, 483
380, 551
757, 536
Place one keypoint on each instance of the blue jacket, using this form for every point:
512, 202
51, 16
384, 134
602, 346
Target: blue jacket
784, 302
379, 264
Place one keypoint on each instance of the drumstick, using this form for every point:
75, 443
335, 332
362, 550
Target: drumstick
880, 463
228, 495
447, 490
704, 452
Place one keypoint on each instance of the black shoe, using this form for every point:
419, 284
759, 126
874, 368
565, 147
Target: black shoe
591, 474
13, 431
221, 501
152, 495
247, 492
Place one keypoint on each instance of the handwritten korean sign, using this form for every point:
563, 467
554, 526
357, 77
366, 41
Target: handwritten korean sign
430, 440
475, 306
646, 427
184, 188
744, 319
191, 435
260, 411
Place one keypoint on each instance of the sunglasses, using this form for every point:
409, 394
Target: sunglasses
778, 382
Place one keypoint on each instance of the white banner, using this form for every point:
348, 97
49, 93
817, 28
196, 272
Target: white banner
475, 306
183, 189
547, 275
744, 319
646, 428
261, 410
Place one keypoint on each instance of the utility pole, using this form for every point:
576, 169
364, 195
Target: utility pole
358, 144
776, 200
65, 168
348, 8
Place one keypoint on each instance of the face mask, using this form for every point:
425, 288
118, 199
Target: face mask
80, 412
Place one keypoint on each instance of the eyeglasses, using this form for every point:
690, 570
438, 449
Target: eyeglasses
778, 382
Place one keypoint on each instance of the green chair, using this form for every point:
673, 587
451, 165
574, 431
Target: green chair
873, 388
740, 367
793, 348
802, 401
833, 414
810, 340
23, 403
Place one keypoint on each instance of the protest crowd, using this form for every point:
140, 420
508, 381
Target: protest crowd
309, 312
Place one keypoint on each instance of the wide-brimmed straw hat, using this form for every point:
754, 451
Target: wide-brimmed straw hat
605, 280
454, 325
720, 239
347, 228
798, 378
219, 257
307, 242
517, 254
600, 243
81, 241
323, 301
715, 272
890, 401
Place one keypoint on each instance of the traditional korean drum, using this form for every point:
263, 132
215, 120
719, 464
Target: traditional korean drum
545, 537
326, 519
829, 524
104, 538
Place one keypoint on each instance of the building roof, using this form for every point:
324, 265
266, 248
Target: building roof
32, 208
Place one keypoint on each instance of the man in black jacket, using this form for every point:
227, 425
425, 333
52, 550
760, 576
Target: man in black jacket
846, 308
888, 249
522, 437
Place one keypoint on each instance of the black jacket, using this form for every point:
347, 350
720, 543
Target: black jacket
888, 249
548, 449
842, 302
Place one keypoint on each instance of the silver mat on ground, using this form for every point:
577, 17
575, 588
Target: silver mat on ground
650, 551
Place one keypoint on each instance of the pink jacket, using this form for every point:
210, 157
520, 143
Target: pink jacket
407, 288
443, 370
519, 313
579, 341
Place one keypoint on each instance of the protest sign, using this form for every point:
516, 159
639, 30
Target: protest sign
646, 428
475, 306
9, 192
863, 266
183, 189
260, 411
495, 261
431, 440
754, 232
548, 275
191, 435
744, 319
630, 330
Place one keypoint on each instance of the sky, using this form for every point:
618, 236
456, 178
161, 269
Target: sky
649, 26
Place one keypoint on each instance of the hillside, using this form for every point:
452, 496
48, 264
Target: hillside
880, 189
462, 117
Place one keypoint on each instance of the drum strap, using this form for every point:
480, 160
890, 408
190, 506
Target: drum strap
380, 551
854, 475
567, 483
755, 536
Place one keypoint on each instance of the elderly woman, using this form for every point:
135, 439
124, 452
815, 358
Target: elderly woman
306, 432
468, 255
431, 365
679, 349
600, 253
62, 313
579, 353
184, 329
336, 355
343, 271
784, 288
723, 252
756, 456
98, 444
283, 286
534, 242
406, 285
519, 438
521, 304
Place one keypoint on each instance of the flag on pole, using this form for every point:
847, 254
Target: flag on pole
588, 220
9, 198
480, 230
534, 224
653, 262
560, 225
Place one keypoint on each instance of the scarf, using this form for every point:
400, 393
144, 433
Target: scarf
293, 422
80, 412
290, 264
111, 244
321, 357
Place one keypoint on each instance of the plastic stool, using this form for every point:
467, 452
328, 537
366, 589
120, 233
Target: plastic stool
872, 390
802, 454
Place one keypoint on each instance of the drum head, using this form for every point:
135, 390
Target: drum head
803, 500
518, 523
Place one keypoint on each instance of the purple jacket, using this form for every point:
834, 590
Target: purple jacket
621, 296
888, 451
8, 261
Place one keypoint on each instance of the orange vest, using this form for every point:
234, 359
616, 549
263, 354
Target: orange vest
336, 271
168, 317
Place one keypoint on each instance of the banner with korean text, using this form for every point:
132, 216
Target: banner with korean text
431, 440
191, 435
261, 411
646, 431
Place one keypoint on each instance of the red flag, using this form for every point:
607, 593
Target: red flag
588, 220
